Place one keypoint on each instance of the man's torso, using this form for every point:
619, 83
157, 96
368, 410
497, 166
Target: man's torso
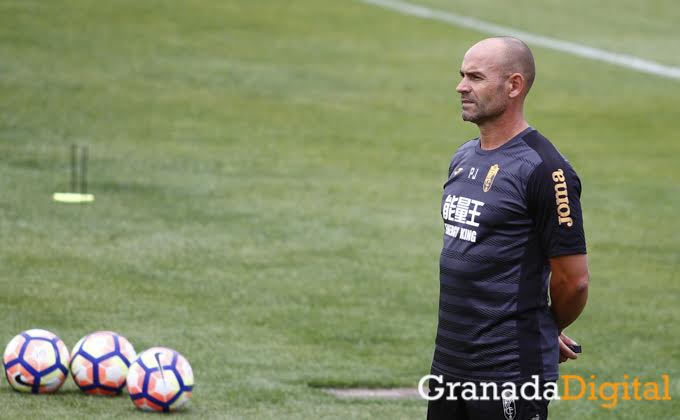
494, 318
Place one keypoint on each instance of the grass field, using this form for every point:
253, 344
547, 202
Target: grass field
268, 177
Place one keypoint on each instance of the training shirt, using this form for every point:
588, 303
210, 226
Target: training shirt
506, 212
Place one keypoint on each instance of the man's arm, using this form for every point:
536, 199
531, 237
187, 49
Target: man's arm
568, 295
554, 204
568, 288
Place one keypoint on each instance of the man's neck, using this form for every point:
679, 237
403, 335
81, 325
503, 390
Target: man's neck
494, 134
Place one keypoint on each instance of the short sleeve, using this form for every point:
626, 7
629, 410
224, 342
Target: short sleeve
554, 202
451, 166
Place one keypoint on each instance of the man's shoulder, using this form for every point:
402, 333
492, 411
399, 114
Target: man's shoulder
548, 158
467, 147
545, 150
461, 152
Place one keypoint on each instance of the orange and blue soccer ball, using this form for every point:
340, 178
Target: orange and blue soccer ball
36, 361
100, 362
160, 380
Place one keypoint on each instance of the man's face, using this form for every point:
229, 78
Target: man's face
483, 86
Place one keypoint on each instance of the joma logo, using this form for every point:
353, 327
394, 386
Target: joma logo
562, 198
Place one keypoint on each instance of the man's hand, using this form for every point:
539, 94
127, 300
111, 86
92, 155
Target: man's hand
565, 352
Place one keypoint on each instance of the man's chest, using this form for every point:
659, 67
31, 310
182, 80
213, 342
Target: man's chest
483, 195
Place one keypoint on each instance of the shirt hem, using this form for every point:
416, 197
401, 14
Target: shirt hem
566, 252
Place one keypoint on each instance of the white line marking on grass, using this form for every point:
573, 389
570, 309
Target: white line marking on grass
623, 60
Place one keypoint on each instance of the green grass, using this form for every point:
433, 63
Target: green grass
644, 29
268, 177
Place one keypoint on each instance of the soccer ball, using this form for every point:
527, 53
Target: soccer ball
100, 361
160, 380
36, 361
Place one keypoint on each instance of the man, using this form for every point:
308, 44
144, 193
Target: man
513, 234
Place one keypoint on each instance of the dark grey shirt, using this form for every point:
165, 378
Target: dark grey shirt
506, 212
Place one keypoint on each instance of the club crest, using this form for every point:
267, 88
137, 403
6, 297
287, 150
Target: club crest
509, 410
490, 176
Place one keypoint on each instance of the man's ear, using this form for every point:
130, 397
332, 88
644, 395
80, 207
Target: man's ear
516, 84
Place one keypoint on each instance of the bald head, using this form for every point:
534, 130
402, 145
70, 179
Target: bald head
508, 55
496, 75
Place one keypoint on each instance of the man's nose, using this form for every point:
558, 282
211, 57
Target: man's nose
462, 87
